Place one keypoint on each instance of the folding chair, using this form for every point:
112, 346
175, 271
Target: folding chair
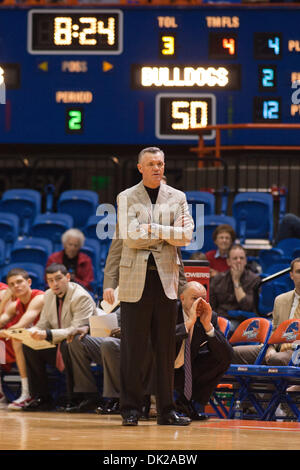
253, 331
282, 377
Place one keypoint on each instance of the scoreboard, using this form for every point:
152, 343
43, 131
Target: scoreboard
135, 75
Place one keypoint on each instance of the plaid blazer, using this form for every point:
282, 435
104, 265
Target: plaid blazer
135, 209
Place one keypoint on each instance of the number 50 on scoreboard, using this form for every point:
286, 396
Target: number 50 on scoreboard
181, 115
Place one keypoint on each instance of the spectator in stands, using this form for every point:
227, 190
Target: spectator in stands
211, 353
289, 227
78, 264
67, 306
223, 236
286, 306
21, 313
235, 289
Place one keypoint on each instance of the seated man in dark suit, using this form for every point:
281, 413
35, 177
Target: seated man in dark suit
210, 352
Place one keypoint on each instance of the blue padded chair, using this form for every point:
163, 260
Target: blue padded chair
9, 230
253, 212
2, 255
80, 204
31, 250
97, 225
36, 273
51, 226
296, 253
267, 258
25, 203
288, 246
201, 197
92, 248
267, 295
285, 279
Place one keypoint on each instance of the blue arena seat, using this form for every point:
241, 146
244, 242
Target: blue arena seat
201, 197
267, 258
9, 230
288, 246
32, 250
51, 226
35, 271
80, 204
100, 226
253, 212
2, 255
25, 203
92, 248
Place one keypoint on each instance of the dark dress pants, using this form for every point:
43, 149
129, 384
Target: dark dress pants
152, 318
36, 362
207, 372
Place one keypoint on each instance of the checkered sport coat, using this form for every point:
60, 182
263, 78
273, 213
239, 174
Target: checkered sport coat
135, 209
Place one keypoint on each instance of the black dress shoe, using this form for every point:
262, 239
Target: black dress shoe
111, 408
83, 407
188, 408
173, 419
145, 408
62, 408
39, 404
199, 416
130, 420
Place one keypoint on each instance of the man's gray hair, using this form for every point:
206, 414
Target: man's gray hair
74, 233
150, 150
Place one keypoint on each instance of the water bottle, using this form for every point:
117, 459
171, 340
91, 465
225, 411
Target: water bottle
238, 412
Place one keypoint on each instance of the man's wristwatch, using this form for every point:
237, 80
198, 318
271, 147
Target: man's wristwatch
237, 285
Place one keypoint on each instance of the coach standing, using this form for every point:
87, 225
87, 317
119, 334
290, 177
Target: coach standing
153, 219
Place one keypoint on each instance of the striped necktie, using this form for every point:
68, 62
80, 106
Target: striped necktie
187, 370
59, 360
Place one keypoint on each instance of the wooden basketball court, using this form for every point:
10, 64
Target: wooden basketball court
63, 431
